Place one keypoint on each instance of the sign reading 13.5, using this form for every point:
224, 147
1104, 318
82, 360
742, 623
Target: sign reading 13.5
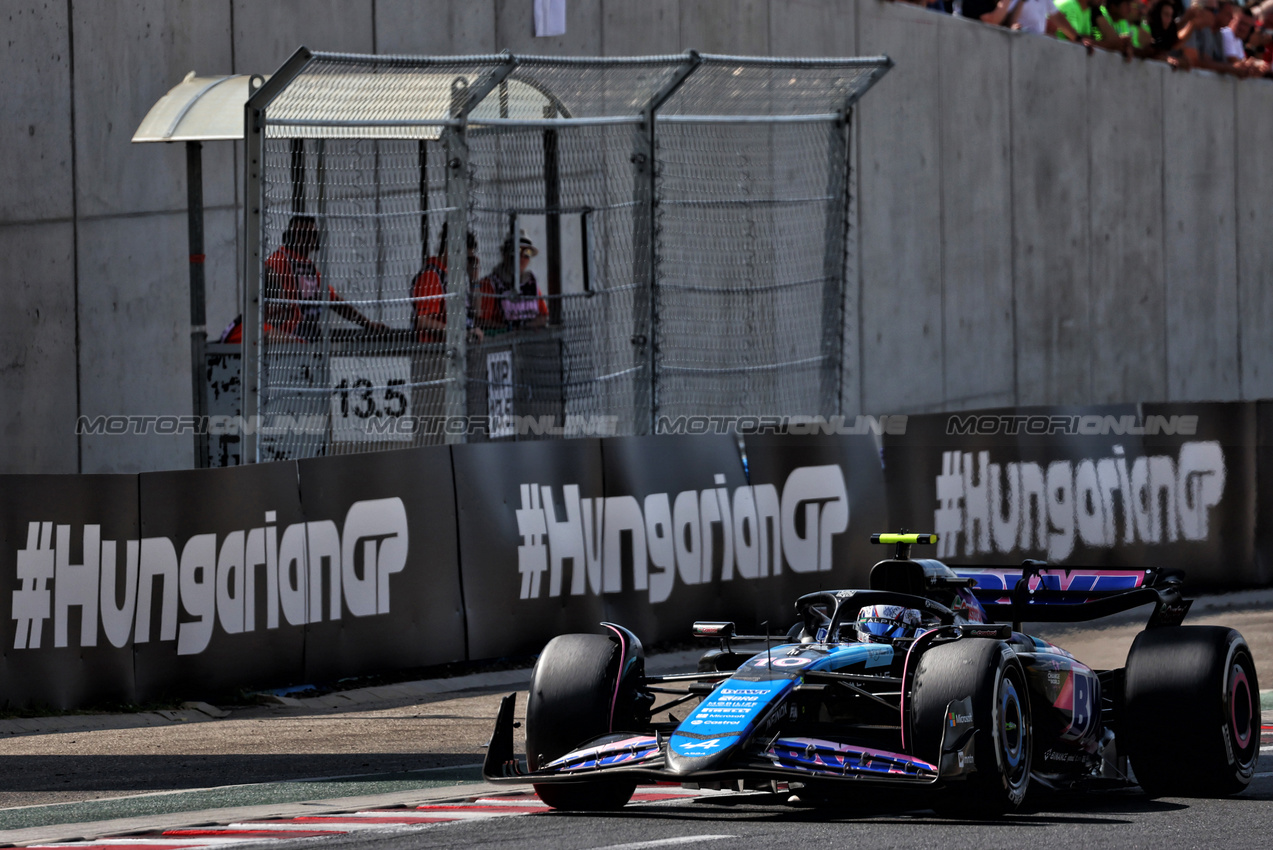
369, 396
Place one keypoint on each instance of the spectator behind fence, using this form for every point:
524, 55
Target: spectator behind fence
1203, 46
1072, 21
1112, 26
1138, 30
429, 292
1260, 47
1024, 15
502, 305
978, 10
1164, 34
1235, 39
294, 283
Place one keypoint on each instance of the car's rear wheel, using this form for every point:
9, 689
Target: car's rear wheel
988, 674
573, 696
1191, 719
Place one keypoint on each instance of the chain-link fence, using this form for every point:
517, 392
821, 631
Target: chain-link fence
635, 240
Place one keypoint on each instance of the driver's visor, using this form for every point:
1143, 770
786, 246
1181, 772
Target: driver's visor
879, 627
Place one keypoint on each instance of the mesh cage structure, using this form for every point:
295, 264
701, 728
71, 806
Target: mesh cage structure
636, 240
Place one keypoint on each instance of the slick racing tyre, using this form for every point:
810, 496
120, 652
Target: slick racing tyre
1191, 719
572, 695
991, 676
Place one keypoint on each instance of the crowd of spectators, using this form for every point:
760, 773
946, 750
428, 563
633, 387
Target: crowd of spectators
1216, 35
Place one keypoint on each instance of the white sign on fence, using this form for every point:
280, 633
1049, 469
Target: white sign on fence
369, 396
499, 393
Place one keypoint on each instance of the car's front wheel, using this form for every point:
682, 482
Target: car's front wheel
991, 677
573, 697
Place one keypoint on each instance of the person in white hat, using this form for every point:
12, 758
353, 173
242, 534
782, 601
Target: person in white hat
502, 304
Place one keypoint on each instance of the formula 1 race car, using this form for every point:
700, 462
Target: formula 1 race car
924, 680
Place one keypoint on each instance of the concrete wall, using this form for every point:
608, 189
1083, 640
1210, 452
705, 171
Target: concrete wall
1035, 225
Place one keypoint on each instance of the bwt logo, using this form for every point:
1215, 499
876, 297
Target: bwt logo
992, 507
212, 581
667, 536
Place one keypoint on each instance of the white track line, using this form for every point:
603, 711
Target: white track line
664, 842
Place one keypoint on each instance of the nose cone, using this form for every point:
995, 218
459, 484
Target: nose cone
723, 722
687, 754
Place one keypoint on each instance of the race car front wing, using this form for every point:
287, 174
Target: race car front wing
642, 757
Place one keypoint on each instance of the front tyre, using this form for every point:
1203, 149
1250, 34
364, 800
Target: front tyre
1191, 720
573, 697
990, 675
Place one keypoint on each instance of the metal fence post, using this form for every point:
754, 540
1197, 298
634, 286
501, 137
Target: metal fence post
253, 203
464, 98
836, 247
457, 274
198, 300
645, 253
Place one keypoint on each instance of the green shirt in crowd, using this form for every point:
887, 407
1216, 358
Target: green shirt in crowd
1080, 19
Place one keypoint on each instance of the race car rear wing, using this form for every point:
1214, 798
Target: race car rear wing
1036, 592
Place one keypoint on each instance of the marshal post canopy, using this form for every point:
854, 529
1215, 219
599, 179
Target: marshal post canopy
692, 213
199, 109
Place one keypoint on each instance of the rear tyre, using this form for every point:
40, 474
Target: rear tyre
989, 673
572, 698
1191, 720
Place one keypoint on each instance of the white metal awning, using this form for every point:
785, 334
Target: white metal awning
198, 109
202, 109
394, 103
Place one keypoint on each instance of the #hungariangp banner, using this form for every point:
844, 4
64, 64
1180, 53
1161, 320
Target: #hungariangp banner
1126, 485
654, 532
132, 587
127, 587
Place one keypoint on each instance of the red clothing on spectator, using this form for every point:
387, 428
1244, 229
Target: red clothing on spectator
429, 289
233, 335
292, 277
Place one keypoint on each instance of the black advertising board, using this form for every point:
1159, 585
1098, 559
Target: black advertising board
65, 542
1002, 485
130, 588
930, 467
1110, 485
381, 532
829, 491
669, 553
218, 607
524, 563
1198, 491
1074, 485
1263, 554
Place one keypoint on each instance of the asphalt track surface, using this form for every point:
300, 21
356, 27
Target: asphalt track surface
1124, 820
405, 759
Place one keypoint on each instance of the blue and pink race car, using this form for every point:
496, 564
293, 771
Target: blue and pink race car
924, 680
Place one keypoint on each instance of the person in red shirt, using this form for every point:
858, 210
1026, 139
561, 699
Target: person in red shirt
502, 306
429, 290
293, 287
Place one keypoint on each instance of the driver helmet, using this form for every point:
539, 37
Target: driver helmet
884, 623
